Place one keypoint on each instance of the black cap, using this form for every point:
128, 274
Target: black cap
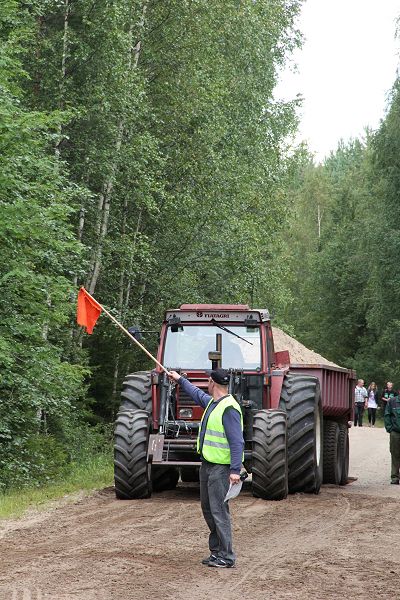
220, 376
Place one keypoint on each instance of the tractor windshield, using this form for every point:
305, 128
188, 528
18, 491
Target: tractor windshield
189, 348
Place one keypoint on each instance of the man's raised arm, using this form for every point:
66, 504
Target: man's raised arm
196, 394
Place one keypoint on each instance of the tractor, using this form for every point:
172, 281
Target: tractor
157, 423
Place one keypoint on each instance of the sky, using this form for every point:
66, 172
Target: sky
346, 68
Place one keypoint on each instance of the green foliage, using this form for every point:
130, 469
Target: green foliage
141, 154
37, 247
346, 280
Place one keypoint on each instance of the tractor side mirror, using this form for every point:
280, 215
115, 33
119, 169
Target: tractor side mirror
134, 330
175, 324
250, 323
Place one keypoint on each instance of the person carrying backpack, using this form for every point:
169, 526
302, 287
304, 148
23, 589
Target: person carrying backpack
388, 392
392, 426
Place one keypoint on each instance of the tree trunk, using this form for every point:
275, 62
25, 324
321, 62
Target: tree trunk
132, 255
123, 305
61, 104
114, 406
319, 217
38, 76
105, 197
81, 225
122, 273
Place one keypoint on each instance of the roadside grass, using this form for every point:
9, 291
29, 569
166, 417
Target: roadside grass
94, 473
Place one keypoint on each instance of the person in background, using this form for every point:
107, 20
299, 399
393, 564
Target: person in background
372, 403
392, 426
388, 392
360, 400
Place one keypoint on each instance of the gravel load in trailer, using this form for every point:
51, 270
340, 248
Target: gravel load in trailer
299, 354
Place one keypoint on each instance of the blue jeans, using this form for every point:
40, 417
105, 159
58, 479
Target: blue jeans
214, 484
358, 413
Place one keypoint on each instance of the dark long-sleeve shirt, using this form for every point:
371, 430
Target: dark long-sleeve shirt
392, 414
230, 420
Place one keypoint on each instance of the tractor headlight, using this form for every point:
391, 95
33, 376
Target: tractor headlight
185, 413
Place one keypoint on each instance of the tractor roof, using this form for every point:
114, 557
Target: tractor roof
218, 307
219, 312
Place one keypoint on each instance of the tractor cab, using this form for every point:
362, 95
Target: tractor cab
198, 338
199, 347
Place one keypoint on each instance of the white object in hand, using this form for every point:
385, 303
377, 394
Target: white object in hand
234, 490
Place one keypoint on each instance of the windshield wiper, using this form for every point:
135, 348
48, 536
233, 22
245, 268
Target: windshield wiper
214, 322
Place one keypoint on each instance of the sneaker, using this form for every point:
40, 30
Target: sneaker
205, 561
395, 482
223, 563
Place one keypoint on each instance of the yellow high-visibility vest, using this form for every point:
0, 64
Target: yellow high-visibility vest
215, 446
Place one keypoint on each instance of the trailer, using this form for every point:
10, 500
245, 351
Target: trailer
296, 416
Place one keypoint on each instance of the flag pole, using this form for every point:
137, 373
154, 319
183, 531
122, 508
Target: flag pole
129, 335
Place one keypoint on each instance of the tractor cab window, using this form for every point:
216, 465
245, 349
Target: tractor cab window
188, 347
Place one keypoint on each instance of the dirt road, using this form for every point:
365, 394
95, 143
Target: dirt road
343, 543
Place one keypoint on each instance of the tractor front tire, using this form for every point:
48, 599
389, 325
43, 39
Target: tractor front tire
332, 453
131, 469
269, 456
136, 392
301, 400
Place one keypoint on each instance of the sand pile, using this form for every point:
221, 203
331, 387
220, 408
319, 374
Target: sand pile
299, 354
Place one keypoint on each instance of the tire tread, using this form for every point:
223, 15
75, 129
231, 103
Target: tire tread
269, 456
298, 399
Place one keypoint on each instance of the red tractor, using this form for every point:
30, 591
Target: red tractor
296, 417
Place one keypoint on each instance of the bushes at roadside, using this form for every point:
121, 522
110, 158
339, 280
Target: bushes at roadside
43, 458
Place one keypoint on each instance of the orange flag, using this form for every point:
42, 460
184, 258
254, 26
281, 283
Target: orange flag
88, 310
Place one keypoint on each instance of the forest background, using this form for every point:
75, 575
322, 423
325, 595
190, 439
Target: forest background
143, 155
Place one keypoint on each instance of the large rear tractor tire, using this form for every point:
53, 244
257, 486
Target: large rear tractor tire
164, 478
131, 469
344, 452
136, 392
301, 400
269, 456
333, 460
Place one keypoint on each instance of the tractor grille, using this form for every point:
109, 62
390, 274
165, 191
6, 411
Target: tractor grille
184, 399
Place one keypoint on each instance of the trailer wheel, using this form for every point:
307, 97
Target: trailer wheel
332, 453
269, 456
136, 392
190, 474
301, 400
164, 478
131, 469
344, 452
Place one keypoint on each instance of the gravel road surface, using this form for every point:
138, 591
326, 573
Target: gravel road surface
343, 543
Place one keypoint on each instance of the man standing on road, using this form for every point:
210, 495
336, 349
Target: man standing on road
388, 392
220, 445
392, 426
360, 398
